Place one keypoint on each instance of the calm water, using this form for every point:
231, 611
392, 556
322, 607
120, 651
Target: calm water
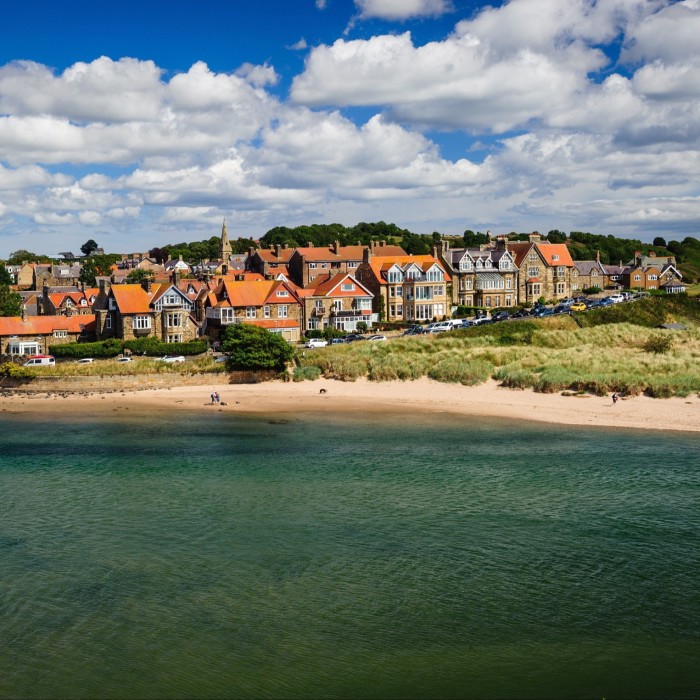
178, 556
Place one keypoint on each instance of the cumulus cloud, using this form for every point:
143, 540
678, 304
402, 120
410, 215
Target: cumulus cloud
573, 140
402, 9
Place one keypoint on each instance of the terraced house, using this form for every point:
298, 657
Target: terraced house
484, 276
406, 287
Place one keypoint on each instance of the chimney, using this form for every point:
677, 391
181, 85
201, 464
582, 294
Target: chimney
535, 237
285, 246
367, 254
336, 247
309, 244
147, 285
251, 251
597, 256
239, 278
382, 244
652, 253
23, 314
501, 243
278, 249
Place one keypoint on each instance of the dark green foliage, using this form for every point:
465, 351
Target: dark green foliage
474, 240
10, 302
14, 371
252, 348
97, 265
139, 275
362, 327
89, 247
5, 276
326, 234
20, 256
661, 242
101, 349
150, 347
556, 236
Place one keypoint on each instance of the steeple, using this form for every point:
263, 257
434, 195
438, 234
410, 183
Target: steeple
225, 249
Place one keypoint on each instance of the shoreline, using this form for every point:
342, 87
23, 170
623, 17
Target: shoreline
487, 400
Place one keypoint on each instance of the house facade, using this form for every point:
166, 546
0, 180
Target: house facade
406, 287
34, 335
337, 301
270, 304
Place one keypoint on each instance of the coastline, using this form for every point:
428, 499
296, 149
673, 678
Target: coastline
487, 400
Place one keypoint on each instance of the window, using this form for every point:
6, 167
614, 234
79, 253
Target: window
399, 291
392, 310
561, 288
468, 284
561, 270
509, 283
324, 266
312, 266
282, 311
171, 299
392, 291
348, 287
399, 309
108, 322
533, 271
60, 334
338, 305
266, 311
250, 312
438, 291
282, 293
142, 322
465, 265
174, 338
173, 320
434, 275
555, 258
637, 278
226, 315
532, 257
652, 277
394, 275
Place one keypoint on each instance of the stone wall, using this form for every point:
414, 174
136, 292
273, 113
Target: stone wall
101, 384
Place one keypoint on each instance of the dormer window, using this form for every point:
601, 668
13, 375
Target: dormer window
282, 293
555, 257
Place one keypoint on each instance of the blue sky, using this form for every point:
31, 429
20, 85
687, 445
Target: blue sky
144, 123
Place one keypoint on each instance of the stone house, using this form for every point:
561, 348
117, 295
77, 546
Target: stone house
129, 311
337, 301
484, 276
544, 269
67, 301
34, 335
406, 287
269, 262
270, 304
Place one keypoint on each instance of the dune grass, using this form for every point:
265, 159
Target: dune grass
551, 356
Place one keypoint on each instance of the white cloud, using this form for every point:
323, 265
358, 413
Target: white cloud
402, 9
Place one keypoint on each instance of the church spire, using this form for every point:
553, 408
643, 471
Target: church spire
225, 249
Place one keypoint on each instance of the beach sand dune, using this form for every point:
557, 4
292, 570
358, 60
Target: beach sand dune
423, 395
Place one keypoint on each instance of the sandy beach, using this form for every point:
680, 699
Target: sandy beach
424, 395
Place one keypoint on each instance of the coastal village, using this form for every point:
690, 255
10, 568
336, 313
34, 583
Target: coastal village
292, 290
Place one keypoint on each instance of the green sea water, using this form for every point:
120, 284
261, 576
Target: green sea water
176, 555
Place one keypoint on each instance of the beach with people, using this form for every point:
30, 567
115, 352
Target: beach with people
366, 397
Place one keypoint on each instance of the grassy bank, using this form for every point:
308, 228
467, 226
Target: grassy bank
547, 355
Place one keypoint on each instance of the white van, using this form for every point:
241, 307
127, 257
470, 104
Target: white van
40, 361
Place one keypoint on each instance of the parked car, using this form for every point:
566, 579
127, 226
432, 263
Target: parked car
539, 311
521, 313
567, 302
173, 359
429, 327
124, 358
353, 337
377, 337
578, 306
337, 341
617, 298
85, 360
561, 309
606, 301
316, 343
40, 361
413, 331
500, 316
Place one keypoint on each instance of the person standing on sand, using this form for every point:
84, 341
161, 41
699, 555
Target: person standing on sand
615, 397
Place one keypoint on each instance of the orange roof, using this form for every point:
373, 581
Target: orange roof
325, 285
45, 325
255, 293
131, 298
424, 262
270, 256
547, 251
274, 322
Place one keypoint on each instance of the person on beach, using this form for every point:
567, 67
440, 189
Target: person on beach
615, 397
217, 398
213, 397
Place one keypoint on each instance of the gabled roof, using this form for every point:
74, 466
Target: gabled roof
45, 325
547, 251
381, 265
238, 294
329, 285
131, 298
585, 267
269, 255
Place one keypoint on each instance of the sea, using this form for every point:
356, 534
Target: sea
213, 555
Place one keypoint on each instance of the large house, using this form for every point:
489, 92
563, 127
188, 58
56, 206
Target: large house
648, 272
486, 276
270, 304
406, 287
129, 311
337, 301
544, 269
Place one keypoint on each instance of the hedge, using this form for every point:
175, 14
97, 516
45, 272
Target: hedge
113, 347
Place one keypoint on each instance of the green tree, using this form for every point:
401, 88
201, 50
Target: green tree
10, 302
556, 236
88, 272
473, 240
19, 256
89, 247
659, 242
139, 275
251, 347
5, 276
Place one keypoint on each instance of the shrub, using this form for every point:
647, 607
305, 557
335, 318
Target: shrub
306, 373
103, 348
13, 371
658, 344
251, 347
362, 327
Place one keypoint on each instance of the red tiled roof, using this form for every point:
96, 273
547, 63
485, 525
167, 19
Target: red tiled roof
131, 298
274, 322
45, 325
